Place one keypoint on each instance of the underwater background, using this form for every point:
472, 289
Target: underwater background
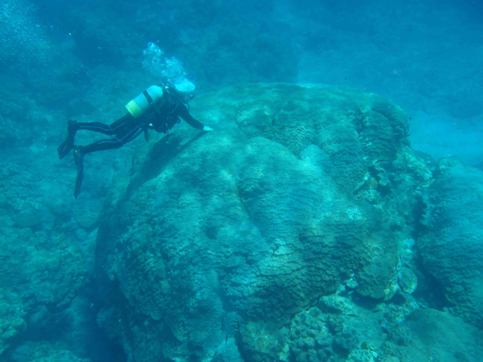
333, 214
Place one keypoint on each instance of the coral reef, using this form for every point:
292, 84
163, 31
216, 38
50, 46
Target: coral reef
293, 233
280, 206
305, 228
43, 268
450, 244
45, 352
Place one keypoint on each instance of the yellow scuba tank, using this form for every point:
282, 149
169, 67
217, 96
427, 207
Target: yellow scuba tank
143, 101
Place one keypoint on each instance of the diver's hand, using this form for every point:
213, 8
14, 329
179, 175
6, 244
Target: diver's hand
207, 129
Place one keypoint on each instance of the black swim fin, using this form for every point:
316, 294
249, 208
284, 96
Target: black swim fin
65, 147
79, 161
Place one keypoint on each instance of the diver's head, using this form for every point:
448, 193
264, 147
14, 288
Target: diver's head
186, 89
182, 91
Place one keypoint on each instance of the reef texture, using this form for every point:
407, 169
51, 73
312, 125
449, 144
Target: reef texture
300, 192
45, 352
452, 241
294, 232
43, 267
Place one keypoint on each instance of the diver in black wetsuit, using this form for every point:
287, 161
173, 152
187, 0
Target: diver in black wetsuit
158, 108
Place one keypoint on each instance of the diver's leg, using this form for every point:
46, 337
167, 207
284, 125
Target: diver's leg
112, 143
121, 125
106, 144
108, 129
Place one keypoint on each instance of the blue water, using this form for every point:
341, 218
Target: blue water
84, 60
422, 55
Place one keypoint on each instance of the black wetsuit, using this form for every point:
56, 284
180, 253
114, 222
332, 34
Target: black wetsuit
160, 117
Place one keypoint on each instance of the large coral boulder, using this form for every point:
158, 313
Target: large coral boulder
229, 234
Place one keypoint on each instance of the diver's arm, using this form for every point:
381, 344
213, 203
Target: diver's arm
185, 114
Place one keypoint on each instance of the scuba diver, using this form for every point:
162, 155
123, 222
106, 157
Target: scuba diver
158, 107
